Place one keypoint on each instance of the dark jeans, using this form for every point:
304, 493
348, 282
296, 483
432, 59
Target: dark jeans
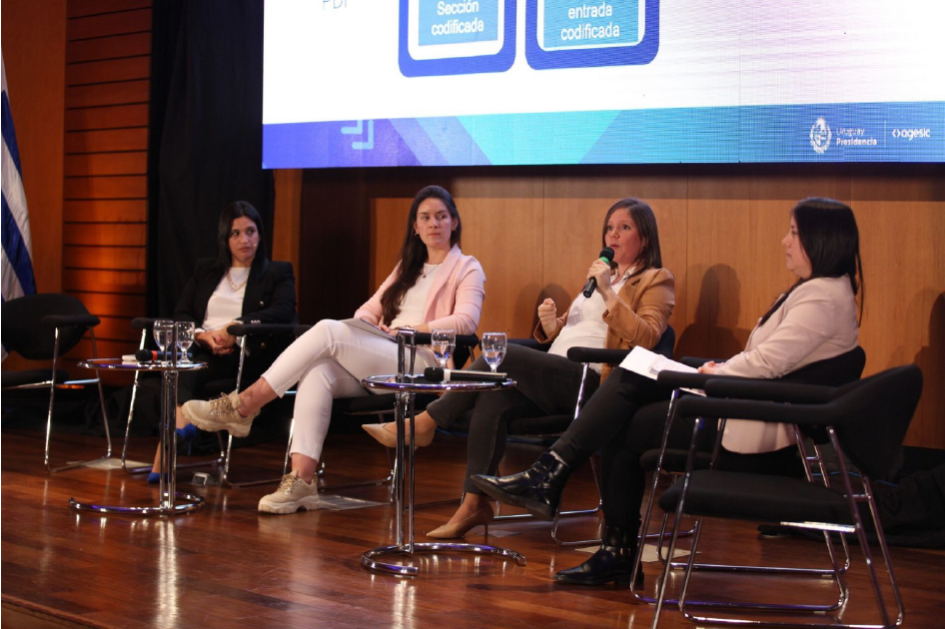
625, 418
547, 385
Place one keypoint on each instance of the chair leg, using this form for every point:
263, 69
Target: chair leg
691, 565
387, 480
49, 416
131, 414
225, 474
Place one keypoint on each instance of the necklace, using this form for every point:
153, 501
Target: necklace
428, 271
233, 285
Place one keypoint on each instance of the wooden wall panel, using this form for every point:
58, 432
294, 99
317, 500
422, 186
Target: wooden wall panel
536, 230
106, 210
97, 164
115, 47
115, 116
34, 49
106, 143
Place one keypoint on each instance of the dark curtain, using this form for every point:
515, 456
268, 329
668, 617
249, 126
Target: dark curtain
205, 134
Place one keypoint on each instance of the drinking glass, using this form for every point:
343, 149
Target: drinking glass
163, 330
444, 342
494, 345
185, 338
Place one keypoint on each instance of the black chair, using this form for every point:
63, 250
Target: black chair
865, 423
671, 462
552, 426
44, 327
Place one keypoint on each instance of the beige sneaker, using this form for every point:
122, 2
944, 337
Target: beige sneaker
219, 414
293, 494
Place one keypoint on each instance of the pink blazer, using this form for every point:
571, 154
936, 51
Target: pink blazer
454, 300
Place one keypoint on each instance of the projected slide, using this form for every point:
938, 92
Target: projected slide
351, 83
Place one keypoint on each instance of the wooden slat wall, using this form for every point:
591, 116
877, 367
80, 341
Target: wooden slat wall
34, 52
720, 231
108, 64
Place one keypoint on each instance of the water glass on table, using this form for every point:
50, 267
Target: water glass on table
185, 338
494, 345
163, 330
444, 342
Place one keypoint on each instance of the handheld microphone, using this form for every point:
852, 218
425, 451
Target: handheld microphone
436, 374
607, 255
146, 355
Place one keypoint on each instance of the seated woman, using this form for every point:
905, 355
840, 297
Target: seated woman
815, 320
631, 305
240, 285
433, 286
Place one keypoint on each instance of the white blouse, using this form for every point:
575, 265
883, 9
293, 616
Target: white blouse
226, 304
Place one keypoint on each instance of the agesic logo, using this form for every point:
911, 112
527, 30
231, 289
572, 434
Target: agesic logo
912, 134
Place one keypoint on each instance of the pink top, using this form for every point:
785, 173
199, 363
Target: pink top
454, 300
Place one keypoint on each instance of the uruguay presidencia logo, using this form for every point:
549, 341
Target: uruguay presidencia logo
820, 136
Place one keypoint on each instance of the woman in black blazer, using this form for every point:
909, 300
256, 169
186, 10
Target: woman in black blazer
240, 286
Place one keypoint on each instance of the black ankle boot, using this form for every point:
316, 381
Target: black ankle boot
612, 562
538, 488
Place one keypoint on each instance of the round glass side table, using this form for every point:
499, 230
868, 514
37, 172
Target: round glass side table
171, 502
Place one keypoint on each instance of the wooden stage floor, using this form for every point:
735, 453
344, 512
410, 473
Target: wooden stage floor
228, 566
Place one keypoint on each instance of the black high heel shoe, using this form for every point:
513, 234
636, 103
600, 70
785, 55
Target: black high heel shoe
537, 489
612, 562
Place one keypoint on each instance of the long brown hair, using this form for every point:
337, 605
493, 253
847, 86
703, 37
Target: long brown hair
413, 253
645, 222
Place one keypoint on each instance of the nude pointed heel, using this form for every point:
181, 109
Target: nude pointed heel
389, 439
458, 529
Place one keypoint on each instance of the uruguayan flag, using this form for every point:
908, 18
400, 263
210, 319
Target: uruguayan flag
17, 247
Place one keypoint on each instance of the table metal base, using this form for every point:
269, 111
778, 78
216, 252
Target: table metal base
369, 557
183, 503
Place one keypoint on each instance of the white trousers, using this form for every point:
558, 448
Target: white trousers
329, 362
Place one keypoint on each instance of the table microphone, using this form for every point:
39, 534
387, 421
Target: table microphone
607, 255
436, 374
146, 355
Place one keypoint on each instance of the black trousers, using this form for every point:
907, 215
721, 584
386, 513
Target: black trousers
547, 385
625, 418
218, 368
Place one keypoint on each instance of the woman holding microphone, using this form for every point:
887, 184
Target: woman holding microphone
630, 306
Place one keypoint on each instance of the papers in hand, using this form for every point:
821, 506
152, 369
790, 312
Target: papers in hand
370, 328
649, 364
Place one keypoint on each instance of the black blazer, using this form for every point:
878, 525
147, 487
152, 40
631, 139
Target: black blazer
269, 296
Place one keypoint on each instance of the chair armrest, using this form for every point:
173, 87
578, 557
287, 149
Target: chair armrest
597, 355
694, 361
769, 412
534, 344
754, 389
142, 323
272, 329
683, 380
59, 321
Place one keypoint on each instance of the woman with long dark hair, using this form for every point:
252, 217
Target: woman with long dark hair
815, 320
240, 284
433, 286
631, 305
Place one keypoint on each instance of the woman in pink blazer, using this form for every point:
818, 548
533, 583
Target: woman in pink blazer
433, 286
